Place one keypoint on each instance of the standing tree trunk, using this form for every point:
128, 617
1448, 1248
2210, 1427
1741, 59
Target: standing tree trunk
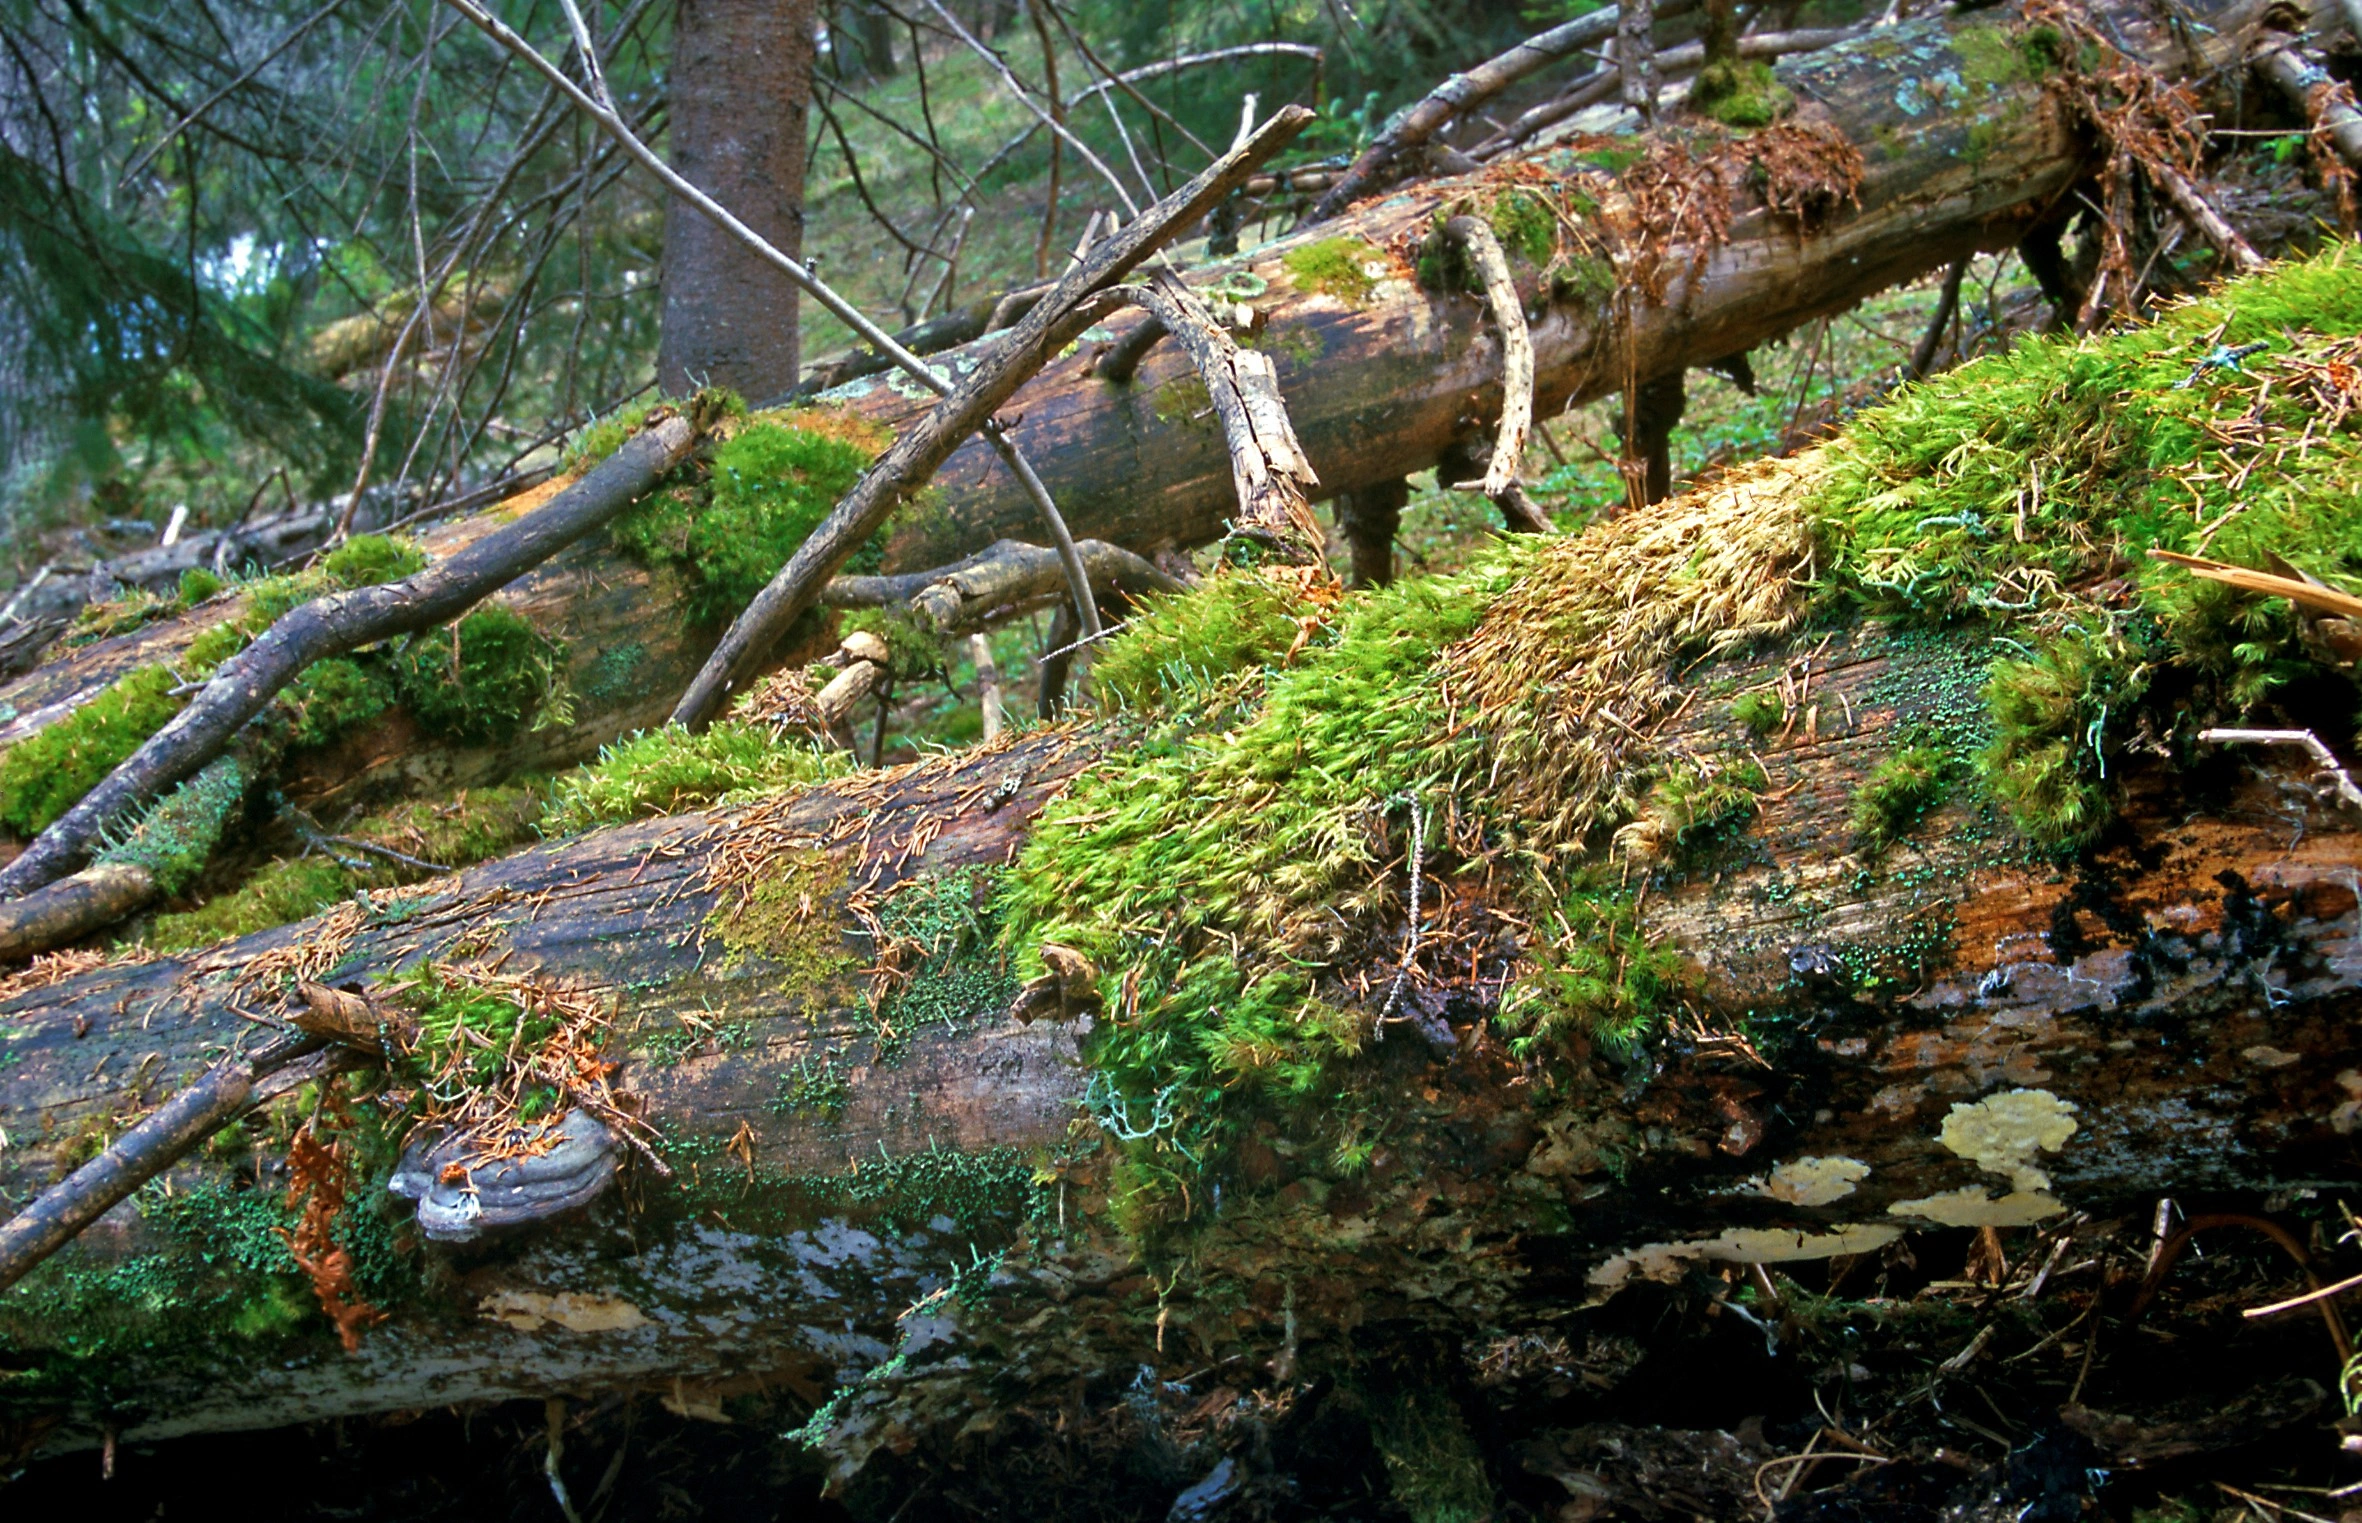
741, 87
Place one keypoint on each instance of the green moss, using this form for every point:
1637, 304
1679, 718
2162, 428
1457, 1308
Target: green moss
213, 647
2048, 762
278, 894
1761, 711
46, 773
1177, 647
603, 438
1898, 794
911, 652
333, 697
1184, 402
1164, 866
1333, 267
1595, 975
1433, 1465
478, 681
671, 770
481, 1023
612, 678
196, 585
791, 920
474, 826
271, 598
817, 1084
1525, 224
770, 484
1993, 59
370, 560
2024, 489
1740, 94
174, 840
961, 974
1693, 805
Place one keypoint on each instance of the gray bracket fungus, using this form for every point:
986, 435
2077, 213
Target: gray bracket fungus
462, 1195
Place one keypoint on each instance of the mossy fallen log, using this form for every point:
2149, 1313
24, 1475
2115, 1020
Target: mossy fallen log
1384, 369
1761, 877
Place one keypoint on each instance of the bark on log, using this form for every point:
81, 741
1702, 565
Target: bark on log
2176, 1013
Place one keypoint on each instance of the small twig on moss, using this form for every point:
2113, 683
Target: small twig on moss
1501, 482
2346, 791
1410, 952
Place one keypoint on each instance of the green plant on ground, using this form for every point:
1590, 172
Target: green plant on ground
371, 560
1742, 93
1761, 710
174, 840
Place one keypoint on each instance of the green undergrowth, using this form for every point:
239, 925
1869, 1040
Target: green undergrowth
671, 770
2024, 491
46, 773
95, 1334
768, 483
1898, 794
473, 826
173, 842
478, 681
1596, 974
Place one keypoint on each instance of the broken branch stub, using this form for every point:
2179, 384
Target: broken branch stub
913, 457
345, 621
1267, 461
1006, 580
1476, 239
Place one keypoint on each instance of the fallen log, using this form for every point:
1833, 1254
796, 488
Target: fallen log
1811, 999
1382, 376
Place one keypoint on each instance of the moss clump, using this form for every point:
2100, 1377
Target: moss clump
1761, 711
1695, 804
1179, 646
770, 485
1526, 225
1740, 94
1334, 267
1992, 59
46, 773
911, 652
948, 923
1898, 794
2024, 490
480, 679
1595, 975
175, 839
670, 770
333, 697
196, 585
612, 678
474, 826
2048, 761
1433, 1465
788, 919
371, 560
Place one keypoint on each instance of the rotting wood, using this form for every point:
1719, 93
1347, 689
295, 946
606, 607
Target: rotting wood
1503, 471
1266, 460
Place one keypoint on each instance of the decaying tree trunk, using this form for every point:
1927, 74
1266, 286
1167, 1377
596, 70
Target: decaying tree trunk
1382, 377
1983, 1038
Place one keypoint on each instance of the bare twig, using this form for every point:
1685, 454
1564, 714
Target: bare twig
1501, 477
2346, 791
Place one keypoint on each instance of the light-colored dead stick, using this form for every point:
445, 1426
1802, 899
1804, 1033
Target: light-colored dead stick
988, 685
1517, 357
2346, 791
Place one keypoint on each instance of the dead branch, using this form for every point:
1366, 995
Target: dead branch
1517, 361
1052, 323
170, 1133
1000, 582
1464, 93
345, 621
1931, 342
2312, 89
1266, 461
